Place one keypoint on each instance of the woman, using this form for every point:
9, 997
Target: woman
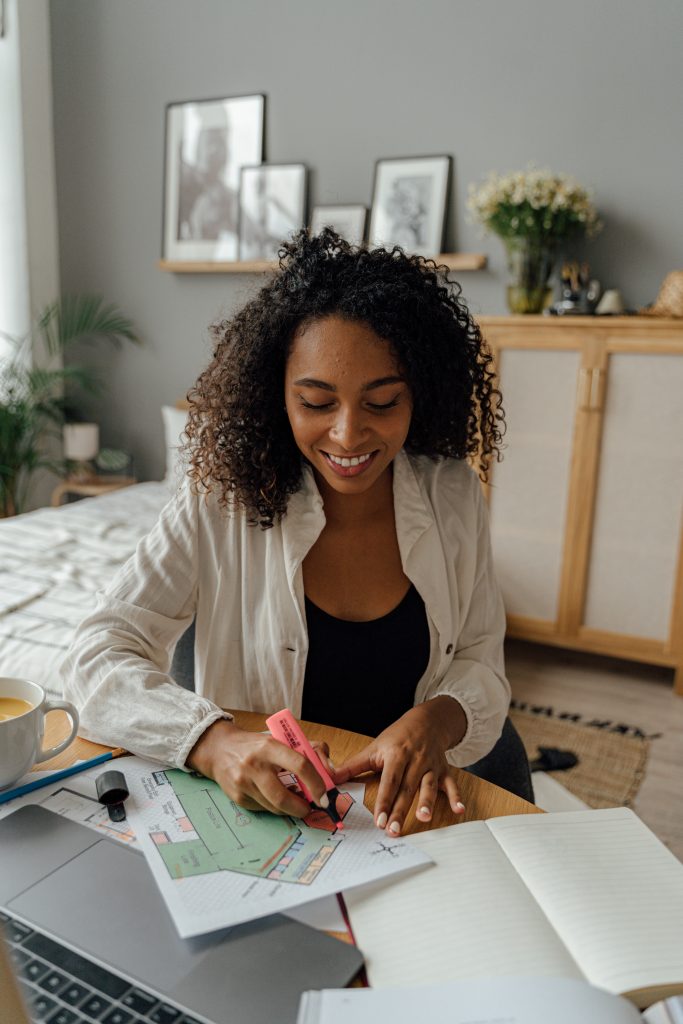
330, 542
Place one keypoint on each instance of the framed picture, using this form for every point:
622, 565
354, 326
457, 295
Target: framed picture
272, 205
207, 144
347, 221
409, 203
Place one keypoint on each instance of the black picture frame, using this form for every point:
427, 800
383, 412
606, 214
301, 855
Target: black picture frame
206, 144
409, 202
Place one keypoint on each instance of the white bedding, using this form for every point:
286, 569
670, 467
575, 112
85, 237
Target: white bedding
51, 563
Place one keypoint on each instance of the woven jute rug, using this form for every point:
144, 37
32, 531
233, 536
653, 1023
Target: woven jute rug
612, 757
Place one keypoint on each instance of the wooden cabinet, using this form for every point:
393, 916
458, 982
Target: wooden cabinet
586, 506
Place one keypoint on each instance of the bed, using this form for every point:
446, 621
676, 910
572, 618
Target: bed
53, 560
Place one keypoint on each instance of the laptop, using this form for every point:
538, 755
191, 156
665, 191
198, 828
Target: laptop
90, 939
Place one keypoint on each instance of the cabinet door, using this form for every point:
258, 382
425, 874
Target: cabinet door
639, 497
529, 488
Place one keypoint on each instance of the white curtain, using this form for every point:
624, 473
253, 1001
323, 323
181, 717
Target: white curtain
29, 270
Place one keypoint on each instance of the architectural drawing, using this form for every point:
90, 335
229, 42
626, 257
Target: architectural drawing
204, 831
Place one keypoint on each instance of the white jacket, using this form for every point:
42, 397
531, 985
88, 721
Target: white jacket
245, 586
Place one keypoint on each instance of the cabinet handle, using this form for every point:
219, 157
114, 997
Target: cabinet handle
595, 398
585, 380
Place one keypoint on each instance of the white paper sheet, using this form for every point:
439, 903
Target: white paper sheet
668, 1011
480, 1001
324, 914
76, 798
218, 865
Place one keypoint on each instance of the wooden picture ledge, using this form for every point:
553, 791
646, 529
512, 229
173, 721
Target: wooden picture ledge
453, 260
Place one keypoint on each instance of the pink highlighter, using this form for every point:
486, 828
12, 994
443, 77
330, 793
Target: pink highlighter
284, 727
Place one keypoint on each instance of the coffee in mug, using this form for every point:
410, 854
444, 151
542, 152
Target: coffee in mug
12, 707
23, 706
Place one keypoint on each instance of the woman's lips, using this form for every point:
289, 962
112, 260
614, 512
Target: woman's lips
351, 470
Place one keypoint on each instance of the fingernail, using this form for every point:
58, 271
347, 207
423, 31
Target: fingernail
382, 820
459, 807
332, 764
425, 812
395, 828
324, 800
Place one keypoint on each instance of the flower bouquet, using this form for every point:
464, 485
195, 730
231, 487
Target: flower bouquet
533, 211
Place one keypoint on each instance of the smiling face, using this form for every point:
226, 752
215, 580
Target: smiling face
348, 404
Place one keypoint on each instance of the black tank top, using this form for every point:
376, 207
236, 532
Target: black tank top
362, 675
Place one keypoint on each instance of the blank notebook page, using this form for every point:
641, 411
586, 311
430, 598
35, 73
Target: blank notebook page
610, 889
467, 916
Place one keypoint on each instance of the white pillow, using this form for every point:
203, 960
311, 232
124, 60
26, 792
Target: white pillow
175, 421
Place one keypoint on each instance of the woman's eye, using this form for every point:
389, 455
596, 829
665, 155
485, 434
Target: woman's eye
386, 405
310, 405
373, 406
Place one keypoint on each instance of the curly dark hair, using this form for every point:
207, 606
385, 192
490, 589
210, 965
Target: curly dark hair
240, 443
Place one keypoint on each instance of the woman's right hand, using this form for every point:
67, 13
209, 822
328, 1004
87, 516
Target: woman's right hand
246, 764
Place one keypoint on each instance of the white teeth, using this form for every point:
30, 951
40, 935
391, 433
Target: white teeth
345, 463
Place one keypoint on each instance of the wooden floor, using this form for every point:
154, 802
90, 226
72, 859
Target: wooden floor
626, 692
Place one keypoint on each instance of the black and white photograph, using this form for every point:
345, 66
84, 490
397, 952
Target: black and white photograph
347, 220
207, 144
409, 203
272, 206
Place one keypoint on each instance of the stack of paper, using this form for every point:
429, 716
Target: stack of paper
485, 1001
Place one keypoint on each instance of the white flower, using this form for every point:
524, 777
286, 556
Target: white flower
543, 193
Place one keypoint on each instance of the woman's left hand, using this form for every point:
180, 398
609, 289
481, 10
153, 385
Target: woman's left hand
411, 756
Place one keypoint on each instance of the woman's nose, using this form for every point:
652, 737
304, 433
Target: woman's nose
349, 429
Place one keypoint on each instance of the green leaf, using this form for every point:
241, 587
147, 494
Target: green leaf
34, 399
74, 318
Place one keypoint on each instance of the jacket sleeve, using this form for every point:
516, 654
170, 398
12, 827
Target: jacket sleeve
476, 676
116, 670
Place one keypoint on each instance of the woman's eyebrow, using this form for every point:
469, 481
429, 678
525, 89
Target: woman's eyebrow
381, 382
310, 382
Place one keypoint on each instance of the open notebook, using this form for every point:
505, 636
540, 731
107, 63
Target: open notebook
582, 894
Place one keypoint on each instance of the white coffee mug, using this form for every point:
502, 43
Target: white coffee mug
21, 737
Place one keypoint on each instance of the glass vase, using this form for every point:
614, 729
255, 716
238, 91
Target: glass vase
530, 264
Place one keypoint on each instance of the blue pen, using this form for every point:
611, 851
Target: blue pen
64, 773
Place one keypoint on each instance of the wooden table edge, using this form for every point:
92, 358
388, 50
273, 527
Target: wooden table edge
482, 799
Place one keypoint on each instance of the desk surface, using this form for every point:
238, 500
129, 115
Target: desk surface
481, 799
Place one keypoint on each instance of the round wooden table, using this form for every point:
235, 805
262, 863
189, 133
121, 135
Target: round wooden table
89, 487
481, 799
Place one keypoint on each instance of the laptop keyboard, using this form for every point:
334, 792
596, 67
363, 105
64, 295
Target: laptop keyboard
63, 987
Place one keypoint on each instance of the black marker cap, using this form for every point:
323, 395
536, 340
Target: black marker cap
112, 790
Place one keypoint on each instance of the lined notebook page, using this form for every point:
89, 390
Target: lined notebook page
610, 889
467, 916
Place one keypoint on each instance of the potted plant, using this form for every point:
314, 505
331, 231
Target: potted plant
533, 212
36, 400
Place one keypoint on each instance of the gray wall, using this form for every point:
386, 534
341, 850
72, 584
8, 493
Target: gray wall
592, 88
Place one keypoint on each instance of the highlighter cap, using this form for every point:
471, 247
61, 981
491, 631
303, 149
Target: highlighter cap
111, 787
